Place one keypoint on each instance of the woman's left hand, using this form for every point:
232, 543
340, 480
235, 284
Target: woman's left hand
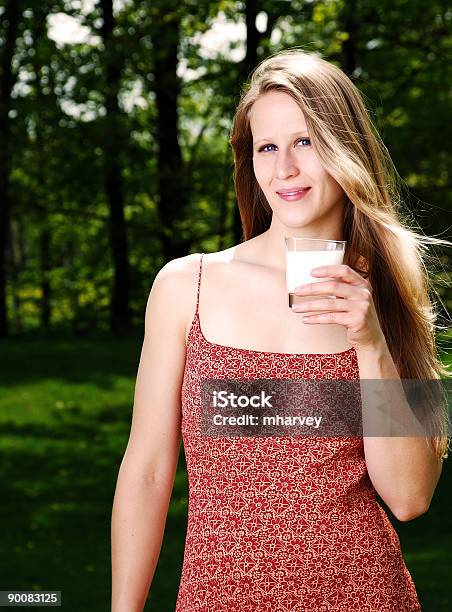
356, 310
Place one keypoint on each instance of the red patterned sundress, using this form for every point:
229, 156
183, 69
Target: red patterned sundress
282, 523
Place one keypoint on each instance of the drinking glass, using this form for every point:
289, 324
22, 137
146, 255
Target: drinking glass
304, 254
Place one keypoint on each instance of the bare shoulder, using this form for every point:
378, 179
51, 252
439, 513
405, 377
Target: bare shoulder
179, 274
180, 270
175, 285
173, 292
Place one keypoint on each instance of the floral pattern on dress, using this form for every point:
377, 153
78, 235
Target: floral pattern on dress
282, 523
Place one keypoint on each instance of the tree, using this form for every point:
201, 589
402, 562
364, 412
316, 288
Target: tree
11, 20
112, 147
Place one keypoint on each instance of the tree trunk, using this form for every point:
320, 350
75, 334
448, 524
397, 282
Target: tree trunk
173, 182
15, 264
11, 16
44, 255
45, 238
113, 137
349, 45
249, 62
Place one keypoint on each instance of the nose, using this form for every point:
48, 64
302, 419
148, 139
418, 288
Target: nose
285, 166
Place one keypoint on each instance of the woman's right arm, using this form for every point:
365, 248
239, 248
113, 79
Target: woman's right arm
148, 468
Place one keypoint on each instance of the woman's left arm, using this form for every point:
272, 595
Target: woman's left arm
404, 470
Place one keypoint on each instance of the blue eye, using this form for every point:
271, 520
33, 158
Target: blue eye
308, 139
272, 145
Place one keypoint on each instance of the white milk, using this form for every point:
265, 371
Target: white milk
300, 263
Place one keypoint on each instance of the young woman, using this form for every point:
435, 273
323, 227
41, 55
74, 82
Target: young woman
285, 523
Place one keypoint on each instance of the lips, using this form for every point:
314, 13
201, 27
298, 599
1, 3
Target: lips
293, 191
292, 196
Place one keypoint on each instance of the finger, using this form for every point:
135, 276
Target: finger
341, 271
328, 318
326, 304
333, 287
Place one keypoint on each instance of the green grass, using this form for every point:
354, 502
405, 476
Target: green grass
65, 409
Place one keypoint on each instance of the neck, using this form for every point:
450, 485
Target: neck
273, 248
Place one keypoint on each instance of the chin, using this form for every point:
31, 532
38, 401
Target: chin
295, 223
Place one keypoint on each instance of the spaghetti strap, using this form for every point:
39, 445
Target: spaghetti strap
199, 283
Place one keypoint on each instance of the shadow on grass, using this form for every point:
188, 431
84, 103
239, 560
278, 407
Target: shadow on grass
57, 485
26, 360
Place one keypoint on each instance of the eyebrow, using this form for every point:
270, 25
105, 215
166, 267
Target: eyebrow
294, 134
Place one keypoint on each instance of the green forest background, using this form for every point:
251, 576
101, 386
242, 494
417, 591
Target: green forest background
114, 159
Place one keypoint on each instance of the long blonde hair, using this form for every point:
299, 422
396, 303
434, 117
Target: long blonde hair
382, 244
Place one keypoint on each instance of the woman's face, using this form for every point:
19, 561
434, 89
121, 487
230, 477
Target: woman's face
284, 158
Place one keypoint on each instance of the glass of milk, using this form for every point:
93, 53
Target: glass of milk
304, 254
